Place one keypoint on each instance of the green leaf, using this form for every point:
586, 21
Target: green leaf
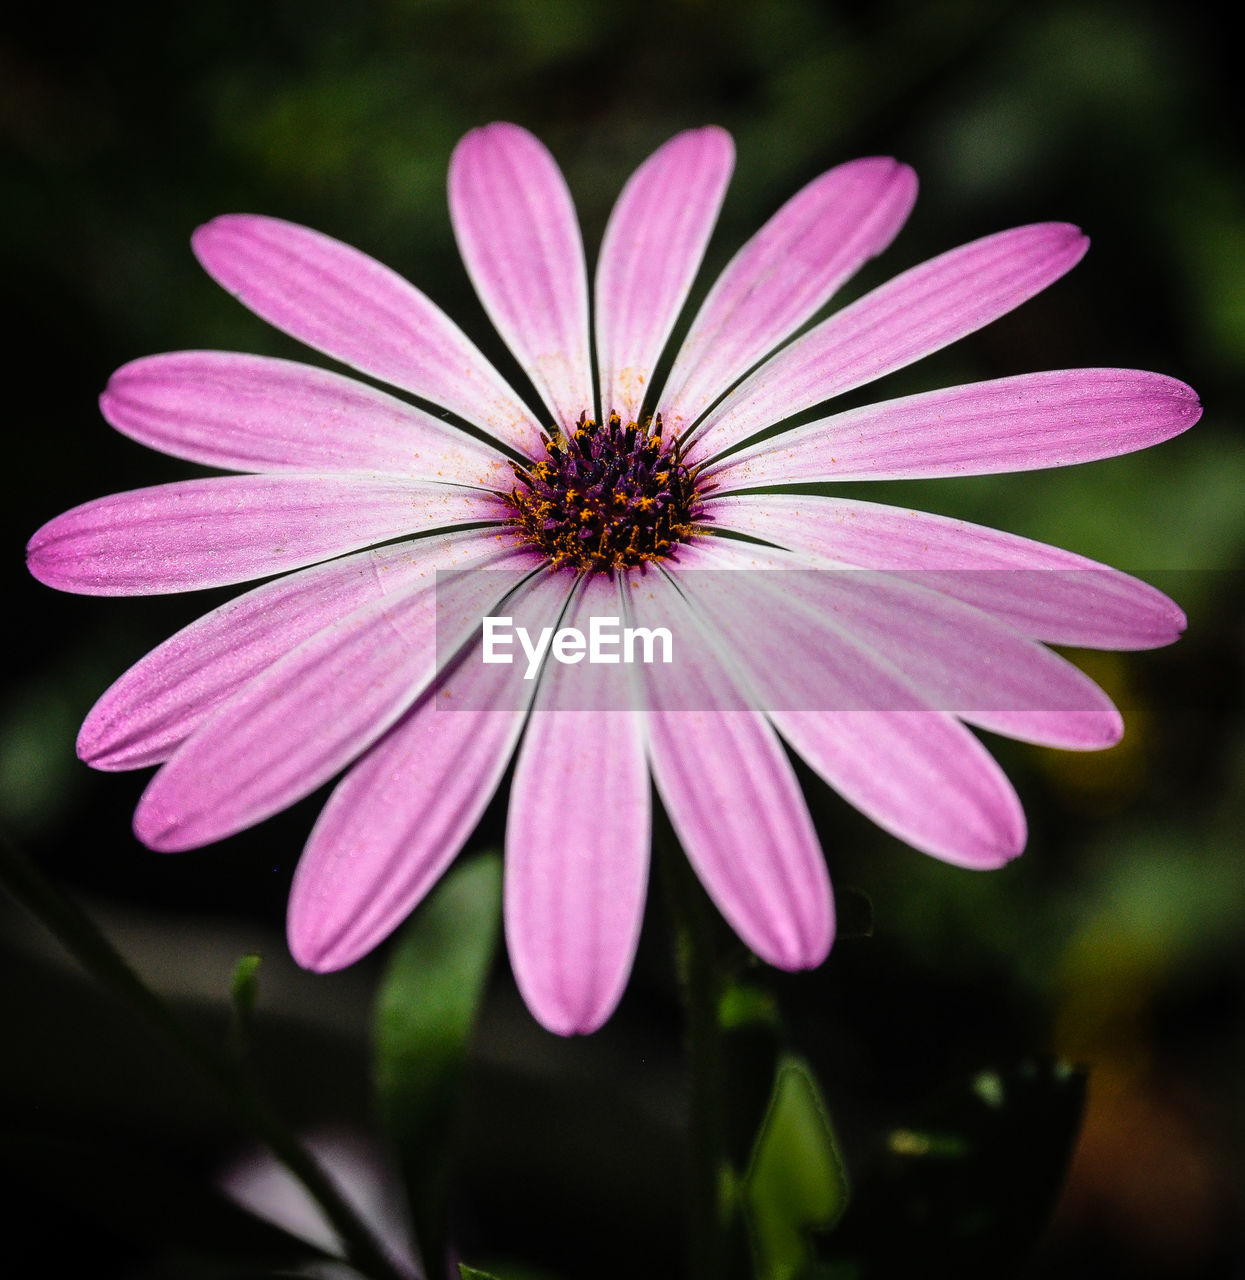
795, 1182
244, 992
741, 1005
470, 1273
244, 983
431, 992
425, 1013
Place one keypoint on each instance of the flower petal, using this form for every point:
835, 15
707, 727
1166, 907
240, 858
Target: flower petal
400, 816
577, 843
1043, 591
909, 317
652, 248
955, 658
307, 716
732, 796
350, 307
818, 240
160, 701
1035, 420
252, 413
917, 773
519, 238
208, 533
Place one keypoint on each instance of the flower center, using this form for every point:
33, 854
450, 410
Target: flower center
608, 496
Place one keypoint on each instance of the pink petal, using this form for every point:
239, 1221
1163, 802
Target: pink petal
519, 238
577, 843
400, 816
917, 773
208, 533
252, 413
1042, 591
1010, 424
307, 716
350, 307
165, 696
732, 796
652, 248
911, 316
954, 657
818, 240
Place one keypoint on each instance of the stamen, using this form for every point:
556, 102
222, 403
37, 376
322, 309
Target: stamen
607, 496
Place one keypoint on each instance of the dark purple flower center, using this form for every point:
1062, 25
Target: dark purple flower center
609, 496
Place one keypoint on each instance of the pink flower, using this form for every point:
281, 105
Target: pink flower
331, 667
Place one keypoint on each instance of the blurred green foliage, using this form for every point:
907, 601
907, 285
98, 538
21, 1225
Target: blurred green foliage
426, 1009
796, 1183
1116, 942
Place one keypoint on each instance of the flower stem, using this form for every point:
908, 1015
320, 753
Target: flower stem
79, 935
701, 985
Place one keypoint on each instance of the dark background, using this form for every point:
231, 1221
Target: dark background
1115, 943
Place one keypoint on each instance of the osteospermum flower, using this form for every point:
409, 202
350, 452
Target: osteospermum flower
594, 508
